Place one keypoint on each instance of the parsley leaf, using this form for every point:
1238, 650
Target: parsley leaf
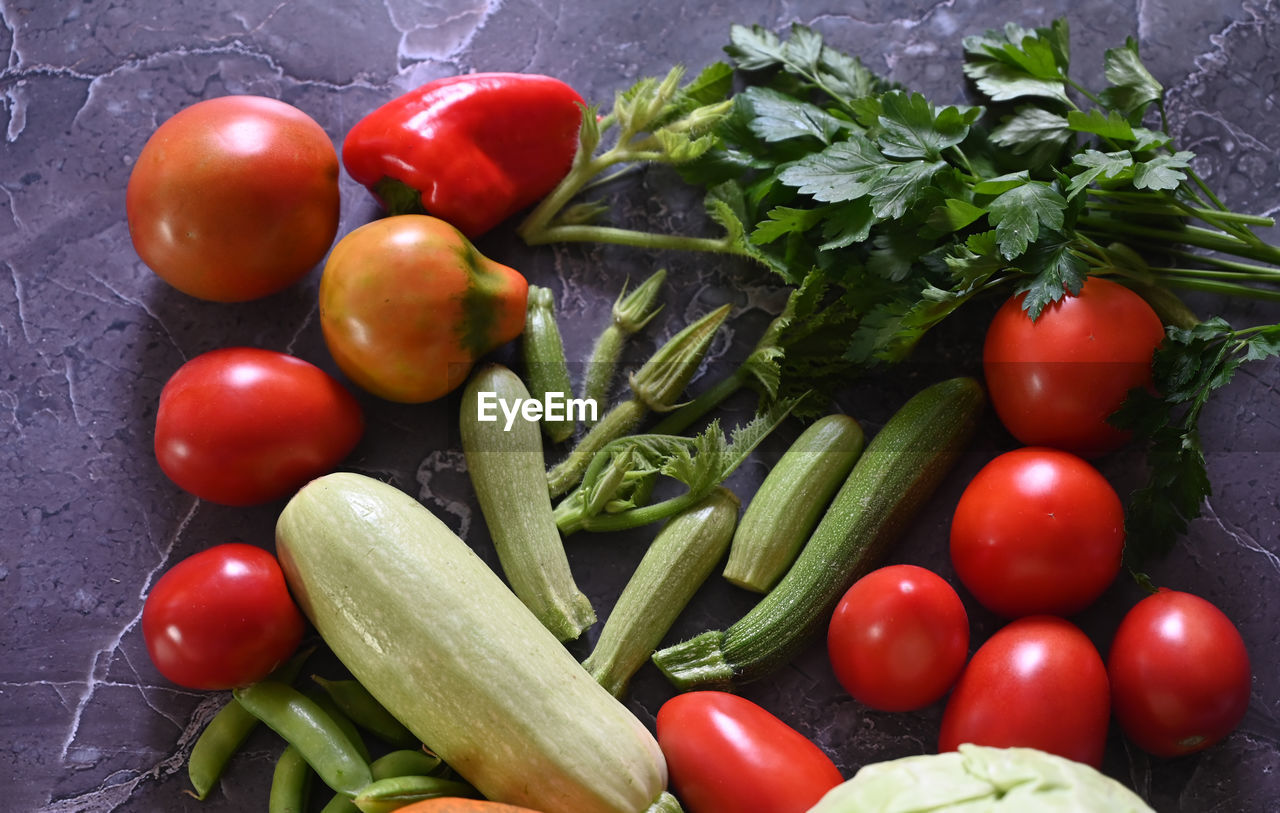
1055, 270
1132, 85
777, 116
1019, 213
1017, 63
910, 127
846, 170
1111, 125
1162, 172
1095, 165
1030, 128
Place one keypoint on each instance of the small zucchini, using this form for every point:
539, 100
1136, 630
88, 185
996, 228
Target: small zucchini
790, 501
900, 469
678, 561
444, 645
507, 468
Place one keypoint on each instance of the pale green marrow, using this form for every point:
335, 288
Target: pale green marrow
442, 642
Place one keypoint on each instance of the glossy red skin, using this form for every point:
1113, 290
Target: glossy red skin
898, 638
1054, 382
1038, 682
1037, 530
244, 425
408, 305
1180, 674
478, 147
221, 618
726, 754
234, 198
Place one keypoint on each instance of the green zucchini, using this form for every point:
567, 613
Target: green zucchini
678, 561
508, 472
442, 642
900, 469
791, 500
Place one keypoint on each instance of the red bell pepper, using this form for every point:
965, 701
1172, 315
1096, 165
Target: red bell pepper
471, 149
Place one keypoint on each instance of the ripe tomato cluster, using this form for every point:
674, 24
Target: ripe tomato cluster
1037, 536
233, 199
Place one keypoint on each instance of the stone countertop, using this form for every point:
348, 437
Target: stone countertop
88, 337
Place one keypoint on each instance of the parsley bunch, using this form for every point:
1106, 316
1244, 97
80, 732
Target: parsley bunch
887, 212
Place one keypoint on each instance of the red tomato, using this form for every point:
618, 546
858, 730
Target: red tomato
242, 425
898, 638
1037, 683
1180, 674
234, 198
1037, 530
221, 618
1054, 381
726, 754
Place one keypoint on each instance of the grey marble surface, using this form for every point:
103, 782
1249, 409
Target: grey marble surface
88, 336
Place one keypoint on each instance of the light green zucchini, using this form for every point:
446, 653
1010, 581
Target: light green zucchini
678, 561
442, 642
791, 500
507, 469
900, 469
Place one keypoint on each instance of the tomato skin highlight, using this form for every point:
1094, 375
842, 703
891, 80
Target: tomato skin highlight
234, 198
726, 754
1180, 674
1038, 682
244, 426
898, 638
1037, 531
221, 618
1054, 381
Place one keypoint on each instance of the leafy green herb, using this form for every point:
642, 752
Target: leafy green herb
1190, 365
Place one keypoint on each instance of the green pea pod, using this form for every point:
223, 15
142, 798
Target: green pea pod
399, 791
365, 711
394, 763
290, 783
406, 763
305, 725
340, 719
228, 730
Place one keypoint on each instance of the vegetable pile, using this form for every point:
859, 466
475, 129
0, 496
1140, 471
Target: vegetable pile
881, 214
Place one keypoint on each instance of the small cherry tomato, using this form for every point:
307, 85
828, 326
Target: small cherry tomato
727, 754
1180, 674
1037, 530
1038, 682
221, 618
1055, 381
243, 425
234, 198
898, 638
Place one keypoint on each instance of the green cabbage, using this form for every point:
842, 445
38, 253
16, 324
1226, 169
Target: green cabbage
979, 779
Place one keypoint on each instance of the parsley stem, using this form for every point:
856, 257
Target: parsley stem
1189, 235
1222, 288
1257, 272
1163, 206
581, 233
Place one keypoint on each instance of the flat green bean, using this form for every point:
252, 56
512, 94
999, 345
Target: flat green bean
305, 725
